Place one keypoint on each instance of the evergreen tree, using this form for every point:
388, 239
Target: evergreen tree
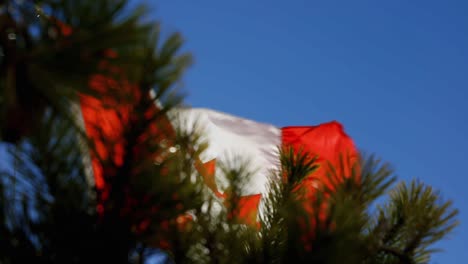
56, 54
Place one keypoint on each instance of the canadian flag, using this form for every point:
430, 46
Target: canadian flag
256, 144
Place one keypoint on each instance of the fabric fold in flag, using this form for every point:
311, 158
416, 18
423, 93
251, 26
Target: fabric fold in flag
246, 209
207, 171
333, 148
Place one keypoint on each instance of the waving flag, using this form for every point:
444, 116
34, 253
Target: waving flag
228, 137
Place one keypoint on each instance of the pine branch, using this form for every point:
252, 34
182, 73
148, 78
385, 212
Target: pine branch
415, 219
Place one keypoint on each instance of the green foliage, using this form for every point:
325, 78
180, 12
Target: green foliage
51, 212
411, 221
51, 48
343, 227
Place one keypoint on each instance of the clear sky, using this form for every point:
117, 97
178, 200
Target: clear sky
395, 73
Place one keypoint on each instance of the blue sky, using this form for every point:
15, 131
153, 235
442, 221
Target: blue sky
395, 73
